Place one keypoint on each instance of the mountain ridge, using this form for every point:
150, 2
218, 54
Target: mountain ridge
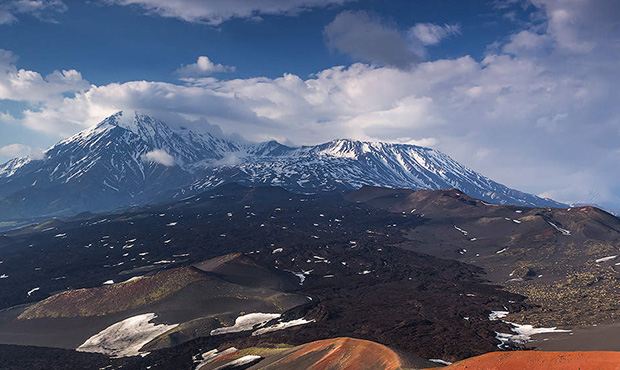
134, 159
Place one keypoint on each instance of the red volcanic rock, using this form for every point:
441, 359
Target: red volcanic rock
538, 360
338, 353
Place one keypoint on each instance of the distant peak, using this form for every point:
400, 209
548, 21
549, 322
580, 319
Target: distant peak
111, 120
131, 120
352, 143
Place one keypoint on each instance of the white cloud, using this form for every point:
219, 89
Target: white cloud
425, 141
534, 114
20, 150
580, 26
229, 159
203, 67
159, 156
432, 34
45, 10
527, 41
25, 85
215, 12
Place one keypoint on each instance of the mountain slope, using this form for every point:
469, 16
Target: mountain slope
104, 167
133, 159
348, 164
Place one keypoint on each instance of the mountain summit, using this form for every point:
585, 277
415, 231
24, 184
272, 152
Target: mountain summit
134, 159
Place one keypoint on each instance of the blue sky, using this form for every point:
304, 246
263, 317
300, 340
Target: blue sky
520, 90
116, 44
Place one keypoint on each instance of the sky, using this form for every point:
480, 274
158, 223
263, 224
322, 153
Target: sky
523, 91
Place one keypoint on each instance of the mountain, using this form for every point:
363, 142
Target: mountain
132, 159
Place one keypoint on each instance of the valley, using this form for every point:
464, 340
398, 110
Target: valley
396, 267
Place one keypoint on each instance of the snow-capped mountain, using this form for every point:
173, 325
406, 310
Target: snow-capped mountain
133, 159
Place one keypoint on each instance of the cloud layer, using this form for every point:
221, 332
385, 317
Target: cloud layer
538, 112
45, 10
20, 150
215, 12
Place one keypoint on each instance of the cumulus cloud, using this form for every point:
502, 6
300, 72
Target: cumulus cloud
215, 12
45, 10
20, 150
579, 26
533, 113
25, 85
527, 41
203, 67
159, 156
431, 34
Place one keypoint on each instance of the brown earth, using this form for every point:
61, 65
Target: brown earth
339, 353
115, 297
537, 360
328, 354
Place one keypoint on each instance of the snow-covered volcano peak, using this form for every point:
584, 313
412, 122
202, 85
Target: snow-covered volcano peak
343, 148
149, 129
354, 149
133, 158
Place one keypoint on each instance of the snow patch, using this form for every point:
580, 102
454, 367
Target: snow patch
440, 361
127, 337
496, 315
561, 230
521, 334
282, 325
211, 355
241, 361
609, 258
246, 322
464, 232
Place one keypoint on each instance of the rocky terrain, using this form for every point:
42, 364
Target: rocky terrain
562, 259
341, 353
537, 360
436, 276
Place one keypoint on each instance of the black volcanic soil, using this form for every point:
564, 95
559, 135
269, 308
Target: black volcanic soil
405, 269
25, 357
361, 286
178, 295
548, 255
